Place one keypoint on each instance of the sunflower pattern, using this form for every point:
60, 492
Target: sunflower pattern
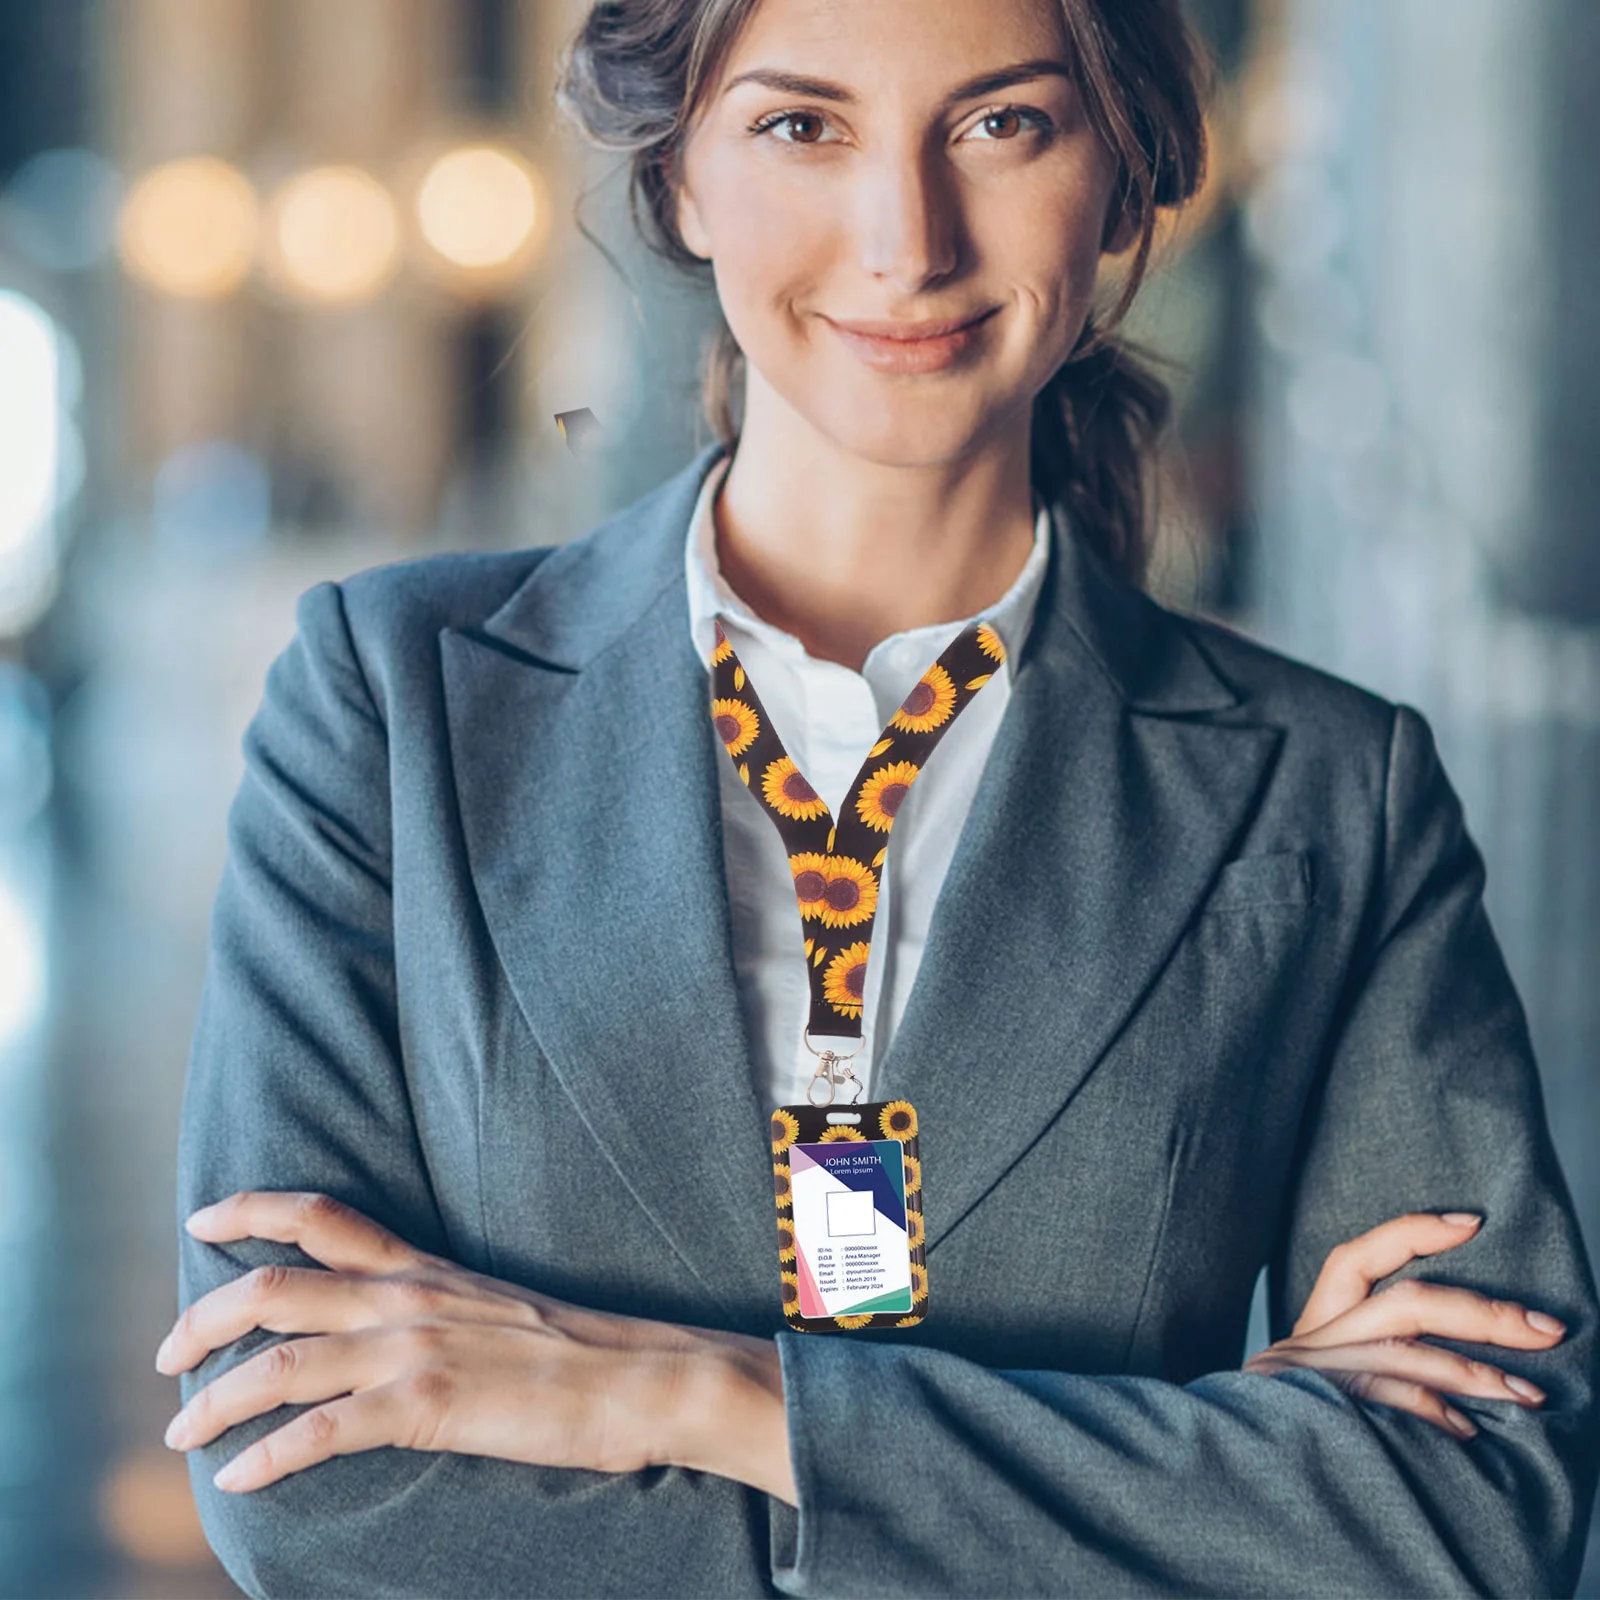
837, 862
897, 1120
808, 1124
784, 788
929, 705
835, 890
784, 1131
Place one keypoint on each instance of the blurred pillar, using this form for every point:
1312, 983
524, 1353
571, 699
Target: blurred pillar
184, 83
1420, 386
368, 403
1557, 568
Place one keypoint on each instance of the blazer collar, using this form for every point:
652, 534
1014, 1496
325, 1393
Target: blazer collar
589, 800
592, 591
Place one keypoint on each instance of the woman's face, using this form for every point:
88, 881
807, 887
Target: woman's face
884, 183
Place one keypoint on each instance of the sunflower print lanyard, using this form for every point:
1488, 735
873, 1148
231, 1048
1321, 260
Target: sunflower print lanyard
850, 1230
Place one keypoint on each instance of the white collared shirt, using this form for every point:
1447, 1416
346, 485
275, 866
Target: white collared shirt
828, 717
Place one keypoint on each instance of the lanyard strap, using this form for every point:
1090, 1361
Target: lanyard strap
837, 866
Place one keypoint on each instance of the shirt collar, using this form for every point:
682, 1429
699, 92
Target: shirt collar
1011, 616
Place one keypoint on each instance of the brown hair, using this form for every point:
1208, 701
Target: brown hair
637, 71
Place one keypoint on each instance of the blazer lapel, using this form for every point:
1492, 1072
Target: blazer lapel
588, 789
1104, 812
586, 774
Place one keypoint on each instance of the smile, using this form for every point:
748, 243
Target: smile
918, 352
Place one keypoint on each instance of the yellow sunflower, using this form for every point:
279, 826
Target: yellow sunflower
785, 1130
909, 1322
879, 798
846, 979
737, 724
790, 1290
837, 890
990, 642
780, 1183
919, 1282
913, 1172
788, 793
898, 1120
856, 1319
932, 699
723, 648
914, 1230
840, 1131
785, 1239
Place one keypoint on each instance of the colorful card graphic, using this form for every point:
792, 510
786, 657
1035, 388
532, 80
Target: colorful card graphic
852, 1254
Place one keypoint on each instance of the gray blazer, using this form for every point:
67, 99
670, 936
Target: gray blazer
1210, 987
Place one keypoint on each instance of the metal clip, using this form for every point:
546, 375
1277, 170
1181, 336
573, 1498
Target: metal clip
829, 1073
827, 1070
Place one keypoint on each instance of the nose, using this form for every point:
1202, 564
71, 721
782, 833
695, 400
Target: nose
909, 219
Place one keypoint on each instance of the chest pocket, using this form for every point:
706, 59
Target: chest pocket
1280, 877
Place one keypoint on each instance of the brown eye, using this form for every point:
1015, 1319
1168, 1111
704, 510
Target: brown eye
1010, 120
797, 119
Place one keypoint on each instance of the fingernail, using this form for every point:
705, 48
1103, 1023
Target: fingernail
1460, 1219
164, 1354
1544, 1323
1461, 1424
1529, 1391
177, 1431
228, 1476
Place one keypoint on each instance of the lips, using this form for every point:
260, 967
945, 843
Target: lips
911, 332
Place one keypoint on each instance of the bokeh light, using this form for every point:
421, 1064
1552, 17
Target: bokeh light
481, 208
60, 208
40, 456
21, 967
29, 419
212, 498
335, 235
189, 228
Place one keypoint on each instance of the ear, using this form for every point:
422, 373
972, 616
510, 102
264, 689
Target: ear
691, 228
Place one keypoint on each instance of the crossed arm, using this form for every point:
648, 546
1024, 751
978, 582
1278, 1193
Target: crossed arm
1057, 1480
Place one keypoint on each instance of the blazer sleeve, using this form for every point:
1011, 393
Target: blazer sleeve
1048, 1482
296, 1080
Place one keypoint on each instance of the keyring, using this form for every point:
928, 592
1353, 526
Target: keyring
805, 1033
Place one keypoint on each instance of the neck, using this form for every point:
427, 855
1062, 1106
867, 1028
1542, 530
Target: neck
842, 552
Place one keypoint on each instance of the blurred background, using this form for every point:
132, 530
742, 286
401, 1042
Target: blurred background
291, 287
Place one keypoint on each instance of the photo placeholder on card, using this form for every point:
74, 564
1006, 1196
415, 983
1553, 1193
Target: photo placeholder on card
850, 1212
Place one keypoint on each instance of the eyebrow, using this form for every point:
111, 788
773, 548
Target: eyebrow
821, 89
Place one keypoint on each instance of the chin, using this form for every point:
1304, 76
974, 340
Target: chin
895, 425
909, 437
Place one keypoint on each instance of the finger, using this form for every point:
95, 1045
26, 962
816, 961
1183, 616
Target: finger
327, 1230
364, 1421
1431, 1364
1353, 1266
293, 1372
1415, 1306
1404, 1395
279, 1298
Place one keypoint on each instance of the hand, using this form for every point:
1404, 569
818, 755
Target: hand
1368, 1343
428, 1355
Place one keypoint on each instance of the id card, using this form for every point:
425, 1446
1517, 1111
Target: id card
848, 1182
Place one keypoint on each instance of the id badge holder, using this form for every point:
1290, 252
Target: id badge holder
848, 1183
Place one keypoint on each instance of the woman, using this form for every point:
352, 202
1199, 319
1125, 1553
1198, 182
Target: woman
502, 995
